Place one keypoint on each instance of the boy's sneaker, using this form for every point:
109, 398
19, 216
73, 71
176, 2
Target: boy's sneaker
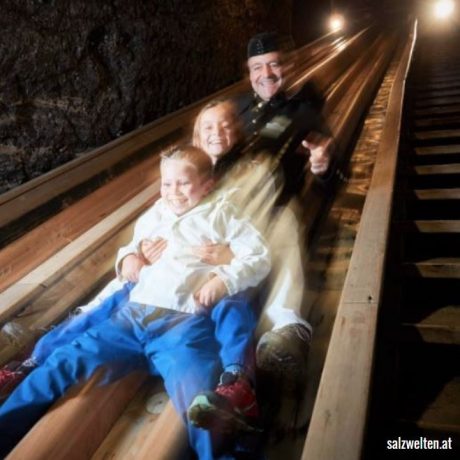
232, 406
9, 380
13, 374
283, 353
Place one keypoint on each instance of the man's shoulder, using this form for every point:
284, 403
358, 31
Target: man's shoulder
244, 101
310, 95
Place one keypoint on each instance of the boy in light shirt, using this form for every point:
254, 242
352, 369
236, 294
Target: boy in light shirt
186, 320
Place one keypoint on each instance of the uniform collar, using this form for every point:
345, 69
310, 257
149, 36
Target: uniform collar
276, 101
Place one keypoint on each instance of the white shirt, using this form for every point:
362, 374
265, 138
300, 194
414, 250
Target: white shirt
178, 274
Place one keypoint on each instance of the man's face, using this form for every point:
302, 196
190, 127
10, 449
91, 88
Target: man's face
217, 131
182, 187
266, 74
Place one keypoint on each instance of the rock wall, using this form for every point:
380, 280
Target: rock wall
75, 74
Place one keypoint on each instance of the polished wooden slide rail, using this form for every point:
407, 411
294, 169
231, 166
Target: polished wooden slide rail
358, 84
337, 425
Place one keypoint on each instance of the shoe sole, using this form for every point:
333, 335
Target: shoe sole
210, 417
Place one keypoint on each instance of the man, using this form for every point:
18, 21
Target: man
284, 349
267, 71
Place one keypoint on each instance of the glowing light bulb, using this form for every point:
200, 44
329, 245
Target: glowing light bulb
443, 8
336, 22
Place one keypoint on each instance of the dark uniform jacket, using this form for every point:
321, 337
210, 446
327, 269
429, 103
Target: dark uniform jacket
279, 126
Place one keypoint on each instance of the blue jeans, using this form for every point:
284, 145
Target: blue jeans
74, 326
184, 349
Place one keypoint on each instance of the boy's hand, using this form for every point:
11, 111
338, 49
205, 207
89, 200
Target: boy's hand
211, 292
152, 250
131, 267
214, 253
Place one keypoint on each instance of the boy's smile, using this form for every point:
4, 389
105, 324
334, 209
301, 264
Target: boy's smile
182, 187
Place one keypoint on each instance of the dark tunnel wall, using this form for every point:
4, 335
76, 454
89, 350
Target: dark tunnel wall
75, 74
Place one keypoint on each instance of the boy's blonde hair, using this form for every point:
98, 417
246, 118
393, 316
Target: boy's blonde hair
195, 156
196, 139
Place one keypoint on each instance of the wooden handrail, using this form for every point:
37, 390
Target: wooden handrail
337, 426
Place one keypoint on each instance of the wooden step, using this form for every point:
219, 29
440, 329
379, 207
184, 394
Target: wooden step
439, 326
430, 226
437, 134
432, 87
438, 194
433, 93
442, 414
438, 150
438, 121
438, 110
442, 169
441, 267
438, 102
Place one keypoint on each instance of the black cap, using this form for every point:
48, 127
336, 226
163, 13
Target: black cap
263, 43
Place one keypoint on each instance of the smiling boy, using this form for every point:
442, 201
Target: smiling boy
186, 320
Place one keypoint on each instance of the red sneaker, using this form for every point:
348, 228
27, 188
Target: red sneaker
9, 380
232, 406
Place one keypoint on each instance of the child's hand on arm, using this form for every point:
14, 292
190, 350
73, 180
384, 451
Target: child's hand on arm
211, 292
214, 253
131, 266
152, 250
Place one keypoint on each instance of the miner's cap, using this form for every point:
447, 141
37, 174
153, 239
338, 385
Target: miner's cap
263, 43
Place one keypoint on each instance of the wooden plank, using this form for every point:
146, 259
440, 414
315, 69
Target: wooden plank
439, 121
139, 433
13, 298
437, 134
168, 438
443, 169
36, 246
438, 101
438, 110
338, 421
439, 150
75, 426
137, 423
433, 93
441, 267
438, 194
439, 326
431, 226
443, 413
432, 87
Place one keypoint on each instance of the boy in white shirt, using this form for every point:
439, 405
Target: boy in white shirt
185, 320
